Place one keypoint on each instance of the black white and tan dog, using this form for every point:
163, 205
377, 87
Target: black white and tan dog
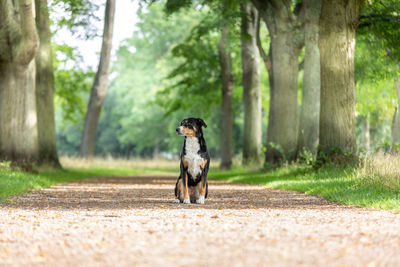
192, 183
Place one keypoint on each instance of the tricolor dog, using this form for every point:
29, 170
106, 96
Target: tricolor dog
192, 183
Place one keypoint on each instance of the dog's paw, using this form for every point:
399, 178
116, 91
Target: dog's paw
200, 200
176, 201
186, 201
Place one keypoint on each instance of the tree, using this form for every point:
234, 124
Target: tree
100, 84
338, 23
227, 79
45, 89
251, 84
18, 45
309, 115
285, 30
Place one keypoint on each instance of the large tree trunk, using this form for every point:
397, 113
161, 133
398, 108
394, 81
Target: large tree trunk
286, 41
225, 61
309, 115
99, 88
338, 25
45, 89
251, 85
396, 119
18, 119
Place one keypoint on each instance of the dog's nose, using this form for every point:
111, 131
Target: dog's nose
177, 130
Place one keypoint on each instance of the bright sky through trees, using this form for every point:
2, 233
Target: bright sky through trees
125, 21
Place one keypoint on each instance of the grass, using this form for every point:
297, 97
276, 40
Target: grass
15, 182
373, 184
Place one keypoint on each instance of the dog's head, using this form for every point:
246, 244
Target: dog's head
191, 127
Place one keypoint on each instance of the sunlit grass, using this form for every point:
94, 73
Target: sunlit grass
374, 184
382, 170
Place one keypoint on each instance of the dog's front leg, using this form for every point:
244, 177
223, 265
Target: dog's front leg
203, 183
186, 198
185, 188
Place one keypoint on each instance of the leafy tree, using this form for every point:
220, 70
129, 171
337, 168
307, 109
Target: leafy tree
141, 127
45, 89
337, 42
252, 129
99, 89
310, 106
284, 22
18, 45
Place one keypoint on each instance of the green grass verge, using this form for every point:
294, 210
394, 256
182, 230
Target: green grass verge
342, 185
14, 182
363, 187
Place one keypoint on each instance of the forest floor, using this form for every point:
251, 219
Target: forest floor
131, 221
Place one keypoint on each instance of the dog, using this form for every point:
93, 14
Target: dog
192, 183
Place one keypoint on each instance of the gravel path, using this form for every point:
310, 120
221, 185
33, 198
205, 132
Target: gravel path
131, 221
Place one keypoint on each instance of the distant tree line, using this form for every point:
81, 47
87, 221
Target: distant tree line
238, 64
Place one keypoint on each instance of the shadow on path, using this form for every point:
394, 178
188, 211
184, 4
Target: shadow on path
157, 191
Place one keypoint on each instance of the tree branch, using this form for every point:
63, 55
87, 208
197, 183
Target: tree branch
29, 38
265, 57
8, 31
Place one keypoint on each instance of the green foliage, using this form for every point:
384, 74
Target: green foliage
376, 68
197, 79
195, 84
78, 16
130, 124
72, 87
382, 19
72, 83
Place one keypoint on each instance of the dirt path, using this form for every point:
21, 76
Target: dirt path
131, 221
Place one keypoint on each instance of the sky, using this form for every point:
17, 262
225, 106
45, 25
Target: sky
124, 25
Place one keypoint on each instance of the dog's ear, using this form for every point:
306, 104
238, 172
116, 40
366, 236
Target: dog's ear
202, 123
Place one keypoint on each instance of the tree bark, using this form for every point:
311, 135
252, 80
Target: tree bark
225, 61
18, 119
396, 118
309, 115
338, 25
45, 89
251, 85
286, 42
99, 88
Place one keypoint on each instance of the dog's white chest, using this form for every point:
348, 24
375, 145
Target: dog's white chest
192, 157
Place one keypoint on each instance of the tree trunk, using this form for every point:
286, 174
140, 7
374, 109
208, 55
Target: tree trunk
18, 119
338, 25
45, 89
396, 119
286, 42
99, 88
225, 61
251, 85
309, 115
365, 136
